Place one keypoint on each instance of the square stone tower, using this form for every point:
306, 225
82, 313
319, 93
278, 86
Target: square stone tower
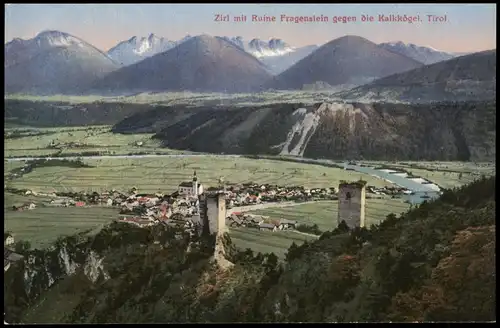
213, 211
352, 203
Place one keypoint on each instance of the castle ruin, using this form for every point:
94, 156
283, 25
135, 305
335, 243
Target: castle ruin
212, 205
212, 209
352, 203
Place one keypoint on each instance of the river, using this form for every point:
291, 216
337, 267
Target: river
421, 192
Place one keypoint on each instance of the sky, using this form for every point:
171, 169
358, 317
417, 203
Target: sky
468, 27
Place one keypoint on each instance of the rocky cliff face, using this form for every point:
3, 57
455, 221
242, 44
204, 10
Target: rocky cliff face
80, 263
90, 259
438, 131
441, 131
42, 268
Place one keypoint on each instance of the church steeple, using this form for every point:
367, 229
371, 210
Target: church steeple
195, 185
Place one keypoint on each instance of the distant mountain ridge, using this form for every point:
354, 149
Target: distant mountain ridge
53, 62
279, 64
464, 78
57, 62
425, 55
276, 54
259, 48
349, 60
202, 63
136, 48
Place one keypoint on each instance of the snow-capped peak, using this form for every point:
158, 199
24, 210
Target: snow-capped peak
260, 48
19, 50
137, 48
424, 54
56, 39
409, 45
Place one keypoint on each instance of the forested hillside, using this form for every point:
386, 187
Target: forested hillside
434, 263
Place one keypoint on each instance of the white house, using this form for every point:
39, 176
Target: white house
267, 226
287, 224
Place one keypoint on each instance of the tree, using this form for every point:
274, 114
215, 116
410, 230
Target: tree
343, 227
270, 261
22, 246
293, 252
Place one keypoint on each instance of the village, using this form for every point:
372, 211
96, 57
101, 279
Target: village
213, 210
182, 206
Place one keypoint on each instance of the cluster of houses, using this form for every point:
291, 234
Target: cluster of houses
182, 207
390, 191
238, 219
250, 193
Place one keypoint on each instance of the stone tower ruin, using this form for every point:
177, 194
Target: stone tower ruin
352, 203
213, 211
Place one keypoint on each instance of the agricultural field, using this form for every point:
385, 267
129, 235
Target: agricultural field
44, 225
67, 141
192, 98
9, 166
16, 200
163, 174
324, 213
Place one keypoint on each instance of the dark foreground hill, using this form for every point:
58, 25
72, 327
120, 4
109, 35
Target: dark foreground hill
438, 131
349, 60
470, 77
433, 263
56, 114
202, 63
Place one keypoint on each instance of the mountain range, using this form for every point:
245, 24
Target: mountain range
276, 54
57, 62
349, 60
202, 63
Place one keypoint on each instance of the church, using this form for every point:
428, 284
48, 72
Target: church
191, 188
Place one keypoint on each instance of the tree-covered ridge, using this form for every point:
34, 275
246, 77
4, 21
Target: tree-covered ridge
433, 263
